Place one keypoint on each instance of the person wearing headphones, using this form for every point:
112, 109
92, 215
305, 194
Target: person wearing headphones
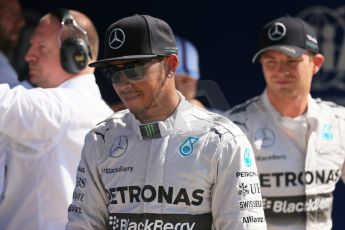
163, 163
45, 126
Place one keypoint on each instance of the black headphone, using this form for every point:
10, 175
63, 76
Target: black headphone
73, 41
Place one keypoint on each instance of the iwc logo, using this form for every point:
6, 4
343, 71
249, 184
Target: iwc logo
116, 38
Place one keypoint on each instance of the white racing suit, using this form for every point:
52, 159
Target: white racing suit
296, 186
196, 170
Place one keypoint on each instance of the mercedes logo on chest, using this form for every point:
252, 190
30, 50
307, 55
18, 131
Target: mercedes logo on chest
277, 31
116, 38
264, 137
119, 146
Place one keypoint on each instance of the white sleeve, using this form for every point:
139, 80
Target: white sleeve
89, 207
236, 199
32, 116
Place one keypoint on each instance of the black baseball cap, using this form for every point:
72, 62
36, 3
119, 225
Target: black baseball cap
137, 37
290, 35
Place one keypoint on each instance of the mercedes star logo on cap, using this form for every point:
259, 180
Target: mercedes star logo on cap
116, 38
277, 31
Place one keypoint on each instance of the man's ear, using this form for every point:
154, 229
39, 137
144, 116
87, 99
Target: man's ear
318, 60
171, 62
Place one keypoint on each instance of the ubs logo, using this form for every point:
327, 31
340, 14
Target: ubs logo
246, 189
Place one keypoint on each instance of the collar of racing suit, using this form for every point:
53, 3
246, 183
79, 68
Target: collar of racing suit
164, 128
313, 118
312, 114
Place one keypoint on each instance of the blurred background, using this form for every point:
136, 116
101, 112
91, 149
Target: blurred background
225, 34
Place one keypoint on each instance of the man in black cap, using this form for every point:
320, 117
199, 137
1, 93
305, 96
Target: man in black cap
298, 141
163, 163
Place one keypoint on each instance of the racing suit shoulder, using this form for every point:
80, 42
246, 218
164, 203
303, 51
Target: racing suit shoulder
335, 109
102, 133
241, 107
112, 121
219, 124
242, 113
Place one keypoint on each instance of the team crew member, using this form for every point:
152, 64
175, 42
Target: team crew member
163, 163
45, 126
298, 141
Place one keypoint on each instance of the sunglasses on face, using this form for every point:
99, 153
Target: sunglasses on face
134, 71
